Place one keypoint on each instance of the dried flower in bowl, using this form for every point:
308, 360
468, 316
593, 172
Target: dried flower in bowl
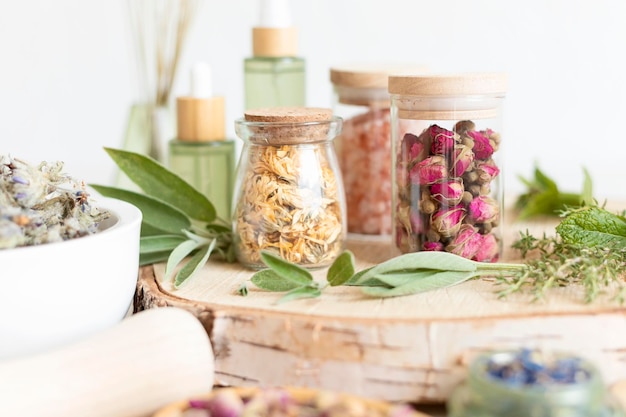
41, 204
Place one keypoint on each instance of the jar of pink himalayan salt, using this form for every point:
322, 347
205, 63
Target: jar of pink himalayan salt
447, 144
361, 99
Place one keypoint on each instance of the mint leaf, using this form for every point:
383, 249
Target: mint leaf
157, 181
341, 270
286, 269
587, 194
269, 280
593, 226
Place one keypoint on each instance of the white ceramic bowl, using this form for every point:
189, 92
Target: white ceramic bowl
56, 293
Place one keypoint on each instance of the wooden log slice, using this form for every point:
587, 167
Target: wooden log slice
414, 348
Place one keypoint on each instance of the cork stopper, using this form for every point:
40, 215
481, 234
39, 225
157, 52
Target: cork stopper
290, 125
200, 119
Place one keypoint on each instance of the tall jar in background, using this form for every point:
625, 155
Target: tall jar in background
364, 146
289, 197
447, 140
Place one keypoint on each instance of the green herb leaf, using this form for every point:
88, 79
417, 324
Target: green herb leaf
153, 258
147, 230
593, 226
157, 181
357, 277
269, 280
196, 262
156, 214
243, 289
341, 270
300, 293
408, 262
587, 194
162, 243
397, 279
178, 254
422, 284
286, 269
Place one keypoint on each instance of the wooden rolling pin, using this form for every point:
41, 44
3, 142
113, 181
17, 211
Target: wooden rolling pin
143, 363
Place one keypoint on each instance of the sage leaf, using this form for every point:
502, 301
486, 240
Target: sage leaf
397, 279
197, 261
157, 181
286, 269
357, 277
307, 291
162, 243
269, 280
593, 226
156, 214
433, 281
178, 254
341, 270
444, 261
147, 230
153, 258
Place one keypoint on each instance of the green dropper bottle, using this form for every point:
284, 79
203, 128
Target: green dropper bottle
201, 154
274, 76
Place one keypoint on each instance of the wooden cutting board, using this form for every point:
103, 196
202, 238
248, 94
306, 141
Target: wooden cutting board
414, 348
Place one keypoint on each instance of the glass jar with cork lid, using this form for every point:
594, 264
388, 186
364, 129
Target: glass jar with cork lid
289, 197
364, 146
446, 135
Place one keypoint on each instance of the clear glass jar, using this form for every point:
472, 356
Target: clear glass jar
482, 395
446, 135
364, 146
289, 196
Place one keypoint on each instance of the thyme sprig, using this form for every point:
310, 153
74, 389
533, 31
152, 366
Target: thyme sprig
589, 250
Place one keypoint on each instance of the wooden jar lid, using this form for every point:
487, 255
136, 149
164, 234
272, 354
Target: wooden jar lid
290, 125
448, 85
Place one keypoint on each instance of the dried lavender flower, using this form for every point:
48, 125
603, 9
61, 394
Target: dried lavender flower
41, 204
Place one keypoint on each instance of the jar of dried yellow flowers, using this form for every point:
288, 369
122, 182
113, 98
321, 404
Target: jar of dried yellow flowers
289, 196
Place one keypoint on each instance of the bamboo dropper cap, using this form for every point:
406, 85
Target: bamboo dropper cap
200, 116
275, 36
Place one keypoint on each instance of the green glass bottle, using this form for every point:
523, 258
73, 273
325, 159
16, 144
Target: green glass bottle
201, 154
274, 76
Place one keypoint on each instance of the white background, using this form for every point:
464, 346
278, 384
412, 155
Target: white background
67, 72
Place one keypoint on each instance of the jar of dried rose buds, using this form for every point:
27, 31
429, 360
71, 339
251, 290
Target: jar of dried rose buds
289, 196
364, 146
446, 132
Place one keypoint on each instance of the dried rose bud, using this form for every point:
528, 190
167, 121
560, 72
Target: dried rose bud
443, 140
433, 246
486, 171
430, 170
483, 209
448, 192
482, 148
225, 403
466, 243
412, 148
489, 250
463, 158
426, 204
463, 126
448, 221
